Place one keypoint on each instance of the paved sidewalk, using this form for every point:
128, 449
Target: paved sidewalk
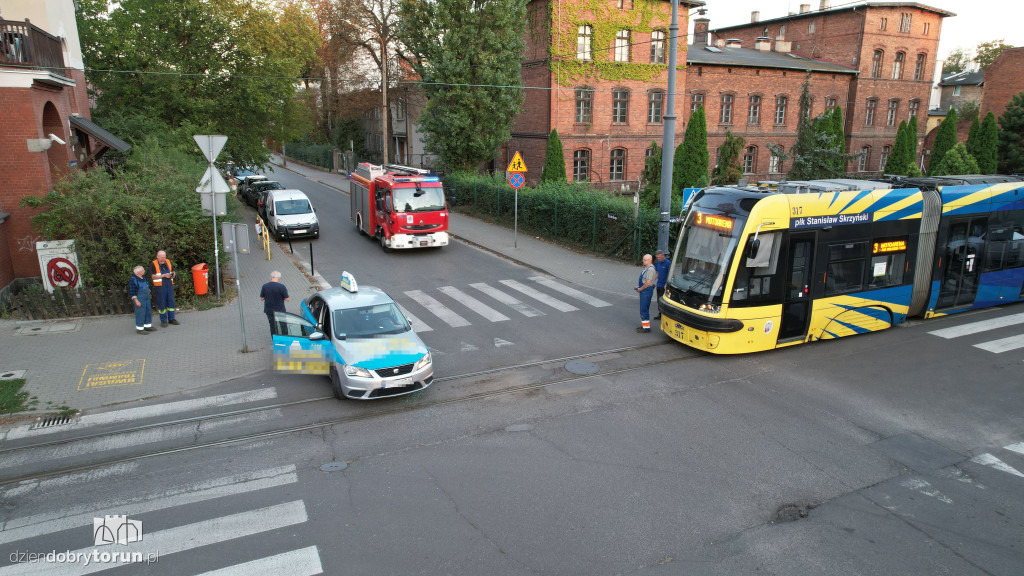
98, 361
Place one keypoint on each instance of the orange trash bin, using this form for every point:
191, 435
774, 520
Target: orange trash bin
200, 273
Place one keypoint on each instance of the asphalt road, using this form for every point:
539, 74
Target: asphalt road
900, 452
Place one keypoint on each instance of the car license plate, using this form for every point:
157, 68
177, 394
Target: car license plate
399, 382
300, 231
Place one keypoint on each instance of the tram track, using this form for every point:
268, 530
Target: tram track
390, 409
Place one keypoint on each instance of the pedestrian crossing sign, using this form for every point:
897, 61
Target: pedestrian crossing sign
517, 164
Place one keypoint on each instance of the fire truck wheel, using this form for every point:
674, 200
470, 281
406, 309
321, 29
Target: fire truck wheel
384, 243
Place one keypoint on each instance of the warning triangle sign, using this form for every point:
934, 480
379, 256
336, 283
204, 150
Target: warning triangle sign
517, 164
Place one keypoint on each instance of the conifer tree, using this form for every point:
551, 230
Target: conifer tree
988, 145
839, 139
1011, 136
973, 136
728, 169
691, 159
650, 177
554, 160
896, 163
956, 160
945, 139
912, 143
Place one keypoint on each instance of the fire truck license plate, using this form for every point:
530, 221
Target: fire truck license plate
423, 242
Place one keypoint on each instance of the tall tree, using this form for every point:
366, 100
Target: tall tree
945, 138
973, 136
839, 142
691, 159
467, 53
988, 145
202, 66
1011, 136
957, 61
728, 170
650, 177
804, 166
957, 160
912, 148
987, 52
896, 163
554, 160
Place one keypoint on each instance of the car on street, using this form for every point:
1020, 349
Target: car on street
290, 214
359, 337
250, 194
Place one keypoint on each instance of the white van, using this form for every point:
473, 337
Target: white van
290, 215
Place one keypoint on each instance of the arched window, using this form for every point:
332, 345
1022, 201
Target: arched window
780, 109
725, 116
658, 47
876, 64
749, 160
775, 163
754, 110
919, 67
865, 156
912, 106
622, 46
617, 164
620, 105
897, 65
655, 99
581, 165
696, 101
584, 104
884, 157
869, 111
890, 115
583, 51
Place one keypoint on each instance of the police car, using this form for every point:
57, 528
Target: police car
359, 337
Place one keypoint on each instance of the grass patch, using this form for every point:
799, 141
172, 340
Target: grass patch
12, 399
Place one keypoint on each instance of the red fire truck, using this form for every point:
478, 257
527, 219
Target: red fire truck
402, 207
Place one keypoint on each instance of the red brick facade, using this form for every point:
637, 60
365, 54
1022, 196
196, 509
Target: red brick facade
1004, 79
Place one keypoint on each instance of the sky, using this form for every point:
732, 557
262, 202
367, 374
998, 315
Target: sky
976, 21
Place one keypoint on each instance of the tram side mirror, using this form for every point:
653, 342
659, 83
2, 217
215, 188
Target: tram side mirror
755, 245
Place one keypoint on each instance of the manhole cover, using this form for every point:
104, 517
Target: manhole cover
334, 466
581, 367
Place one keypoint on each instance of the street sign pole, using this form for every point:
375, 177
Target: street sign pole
236, 241
211, 147
515, 175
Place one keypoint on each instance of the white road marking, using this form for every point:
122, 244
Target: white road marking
538, 295
467, 347
417, 324
78, 516
88, 477
303, 562
1018, 447
975, 327
101, 444
187, 537
1003, 344
498, 343
473, 304
437, 309
924, 487
154, 410
990, 460
570, 292
507, 300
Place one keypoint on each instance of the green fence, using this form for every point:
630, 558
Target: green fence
570, 214
321, 155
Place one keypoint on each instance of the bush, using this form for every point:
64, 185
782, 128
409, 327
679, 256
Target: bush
565, 212
321, 155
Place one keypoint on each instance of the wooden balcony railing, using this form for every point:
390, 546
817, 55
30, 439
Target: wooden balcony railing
24, 44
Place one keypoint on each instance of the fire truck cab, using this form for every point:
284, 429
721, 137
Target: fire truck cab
402, 207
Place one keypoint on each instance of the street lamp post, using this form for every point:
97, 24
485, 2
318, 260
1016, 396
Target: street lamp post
383, 89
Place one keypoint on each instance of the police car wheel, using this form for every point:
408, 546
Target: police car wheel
336, 384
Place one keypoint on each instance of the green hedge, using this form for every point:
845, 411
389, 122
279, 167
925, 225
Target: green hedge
571, 214
321, 155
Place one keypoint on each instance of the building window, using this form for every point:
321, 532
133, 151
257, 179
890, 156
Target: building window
884, 157
882, 23
584, 104
956, 90
912, 105
775, 163
696, 101
725, 117
782, 31
622, 46
919, 67
807, 112
620, 106
876, 64
869, 112
927, 28
905, 22
583, 43
754, 110
780, 109
890, 115
581, 165
649, 153
865, 153
830, 103
618, 165
400, 110
897, 66
654, 100
810, 28
657, 47
749, 160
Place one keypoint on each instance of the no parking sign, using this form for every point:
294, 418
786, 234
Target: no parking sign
58, 264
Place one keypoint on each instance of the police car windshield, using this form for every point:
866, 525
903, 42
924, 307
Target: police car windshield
419, 199
369, 322
286, 207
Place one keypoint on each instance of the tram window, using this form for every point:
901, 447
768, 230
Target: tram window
845, 268
1015, 250
887, 270
753, 283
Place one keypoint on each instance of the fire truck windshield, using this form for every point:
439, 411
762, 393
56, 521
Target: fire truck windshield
419, 199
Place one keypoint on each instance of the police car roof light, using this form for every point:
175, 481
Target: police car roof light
348, 282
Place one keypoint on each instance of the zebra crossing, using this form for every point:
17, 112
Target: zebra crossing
171, 546
494, 303
996, 346
992, 461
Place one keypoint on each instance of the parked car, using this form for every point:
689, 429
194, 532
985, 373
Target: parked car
250, 194
290, 214
359, 337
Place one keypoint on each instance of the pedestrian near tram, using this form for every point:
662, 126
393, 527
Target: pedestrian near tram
645, 288
274, 295
662, 265
163, 283
138, 291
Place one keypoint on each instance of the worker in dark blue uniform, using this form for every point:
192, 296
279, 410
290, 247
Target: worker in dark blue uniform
645, 288
662, 265
163, 284
138, 291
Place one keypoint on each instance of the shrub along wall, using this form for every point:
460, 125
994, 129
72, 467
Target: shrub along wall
321, 155
571, 214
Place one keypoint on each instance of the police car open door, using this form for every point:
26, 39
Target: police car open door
299, 347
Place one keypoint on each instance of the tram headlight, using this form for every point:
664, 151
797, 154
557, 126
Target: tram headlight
710, 308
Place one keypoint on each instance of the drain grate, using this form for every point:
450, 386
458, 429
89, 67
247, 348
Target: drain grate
51, 421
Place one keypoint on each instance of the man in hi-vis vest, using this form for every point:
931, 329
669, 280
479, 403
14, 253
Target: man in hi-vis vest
163, 285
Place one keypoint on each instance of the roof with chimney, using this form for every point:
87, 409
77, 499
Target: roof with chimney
848, 8
964, 78
697, 54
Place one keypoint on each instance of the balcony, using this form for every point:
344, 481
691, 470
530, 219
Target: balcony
25, 45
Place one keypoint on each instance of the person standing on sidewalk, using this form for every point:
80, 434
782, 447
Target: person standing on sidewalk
274, 295
662, 265
645, 287
138, 291
163, 283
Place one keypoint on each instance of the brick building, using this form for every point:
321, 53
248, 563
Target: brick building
959, 88
44, 111
1004, 79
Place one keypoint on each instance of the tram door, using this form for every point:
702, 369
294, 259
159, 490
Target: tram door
796, 305
961, 271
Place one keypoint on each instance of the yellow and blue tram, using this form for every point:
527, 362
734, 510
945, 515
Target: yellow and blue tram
753, 271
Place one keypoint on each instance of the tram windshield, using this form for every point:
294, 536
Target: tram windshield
703, 255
